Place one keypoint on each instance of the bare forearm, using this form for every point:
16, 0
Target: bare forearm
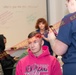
57, 46
51, 38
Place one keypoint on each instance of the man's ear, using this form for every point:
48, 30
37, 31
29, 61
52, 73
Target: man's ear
42, 42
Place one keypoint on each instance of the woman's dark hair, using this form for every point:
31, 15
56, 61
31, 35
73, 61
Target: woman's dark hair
2, 45
41, 20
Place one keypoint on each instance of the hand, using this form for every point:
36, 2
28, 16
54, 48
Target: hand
51, 36
44, 38
16, 58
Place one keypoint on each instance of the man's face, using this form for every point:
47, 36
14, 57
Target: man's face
35, 44
71, 5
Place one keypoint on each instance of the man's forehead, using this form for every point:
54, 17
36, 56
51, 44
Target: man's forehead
36, 37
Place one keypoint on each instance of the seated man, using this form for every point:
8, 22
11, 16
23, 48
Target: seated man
38, 61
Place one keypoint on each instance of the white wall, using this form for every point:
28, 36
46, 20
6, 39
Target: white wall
56, 10
18, 18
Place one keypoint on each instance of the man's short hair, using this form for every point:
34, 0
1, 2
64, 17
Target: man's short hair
34, 33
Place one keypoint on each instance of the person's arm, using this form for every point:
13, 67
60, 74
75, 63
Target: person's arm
45, 38
57, 46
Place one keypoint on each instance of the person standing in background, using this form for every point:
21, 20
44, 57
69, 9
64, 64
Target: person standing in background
42, 27
65, 42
